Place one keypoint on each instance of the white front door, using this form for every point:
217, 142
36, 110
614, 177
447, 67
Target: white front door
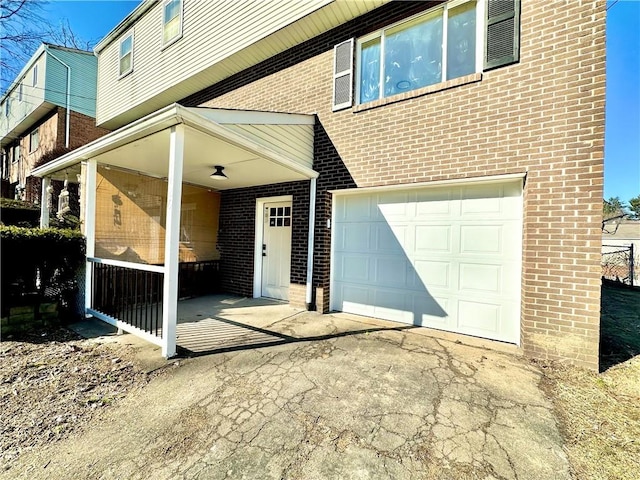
276, 250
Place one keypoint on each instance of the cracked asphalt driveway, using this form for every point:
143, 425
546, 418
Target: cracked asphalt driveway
353, 403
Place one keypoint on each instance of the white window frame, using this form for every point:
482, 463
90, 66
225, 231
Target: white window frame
20, 92
480, 38
7, 107
15, 156
35, 75
120, 56
166, 43
34, 133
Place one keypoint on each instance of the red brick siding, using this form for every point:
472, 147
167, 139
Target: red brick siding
52, 139
543, 115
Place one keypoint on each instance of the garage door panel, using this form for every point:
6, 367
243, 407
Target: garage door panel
481, 317
355, 268
478, 239
482, 200
431, 311
485, 279
394, 205
392, 305
354, 237
433, 238
391, 271
434, 204
356, 208
446, 258
390, 238
433, 274
355, 299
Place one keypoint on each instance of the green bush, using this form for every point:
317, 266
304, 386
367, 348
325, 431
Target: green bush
40, 265
17, 212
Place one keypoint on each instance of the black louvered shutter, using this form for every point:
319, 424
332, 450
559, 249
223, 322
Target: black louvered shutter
342, 75
502, 42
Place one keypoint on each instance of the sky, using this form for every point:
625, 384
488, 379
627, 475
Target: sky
92, 20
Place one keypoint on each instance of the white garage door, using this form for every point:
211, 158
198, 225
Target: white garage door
441, 257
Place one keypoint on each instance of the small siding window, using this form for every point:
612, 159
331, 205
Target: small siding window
126, 55
171, 21
16, 153
7, 107
35, 75
433, 47
20, 92
34, 140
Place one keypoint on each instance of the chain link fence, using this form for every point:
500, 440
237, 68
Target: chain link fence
618, 264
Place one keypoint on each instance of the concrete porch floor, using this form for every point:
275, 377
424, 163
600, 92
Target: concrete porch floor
216, 323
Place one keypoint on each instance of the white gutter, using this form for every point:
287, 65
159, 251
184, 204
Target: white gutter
312, 221
68, 100
508, 177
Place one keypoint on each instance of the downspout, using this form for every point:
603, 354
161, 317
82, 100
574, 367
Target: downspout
312, 221
68, 100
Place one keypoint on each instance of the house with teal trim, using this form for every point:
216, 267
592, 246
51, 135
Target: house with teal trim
49, 109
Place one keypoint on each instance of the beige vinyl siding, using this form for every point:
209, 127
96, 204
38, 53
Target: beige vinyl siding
295, 142
219, 39
32, 98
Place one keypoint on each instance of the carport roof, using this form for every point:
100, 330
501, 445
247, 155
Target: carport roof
256, 148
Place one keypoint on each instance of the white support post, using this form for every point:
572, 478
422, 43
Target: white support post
89, 191
44, 203
172, 242
312, 221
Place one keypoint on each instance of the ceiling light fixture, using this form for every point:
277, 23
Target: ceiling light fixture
219, 174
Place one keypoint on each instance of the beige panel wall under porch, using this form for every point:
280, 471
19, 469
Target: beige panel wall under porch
130, 219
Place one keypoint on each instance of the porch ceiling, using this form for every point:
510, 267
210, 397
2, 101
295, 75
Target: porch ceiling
255, 148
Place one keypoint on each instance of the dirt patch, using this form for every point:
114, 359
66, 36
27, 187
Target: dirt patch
600, 413
52, 383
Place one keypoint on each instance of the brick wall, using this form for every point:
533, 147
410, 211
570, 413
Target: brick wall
236, 237
52, 144
543, 115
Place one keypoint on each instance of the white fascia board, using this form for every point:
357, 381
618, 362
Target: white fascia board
250, 117
509, 177
160, 120
143, 127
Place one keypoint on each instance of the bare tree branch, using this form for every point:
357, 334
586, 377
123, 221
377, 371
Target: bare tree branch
24, 28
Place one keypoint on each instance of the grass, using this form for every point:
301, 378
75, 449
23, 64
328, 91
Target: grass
619, 325
600, 412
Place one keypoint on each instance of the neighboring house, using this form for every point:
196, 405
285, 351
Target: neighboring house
432, 163
49, 109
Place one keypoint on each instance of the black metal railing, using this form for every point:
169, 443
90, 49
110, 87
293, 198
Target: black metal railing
129, 295
198, 278
134, 296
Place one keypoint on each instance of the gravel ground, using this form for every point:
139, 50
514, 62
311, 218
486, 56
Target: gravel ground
52, 383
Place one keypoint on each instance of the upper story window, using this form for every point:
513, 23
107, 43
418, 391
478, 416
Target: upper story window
434, 47
20, 92
34, 140
7, 107
126, 55
16, 152
171, 20
35, 75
